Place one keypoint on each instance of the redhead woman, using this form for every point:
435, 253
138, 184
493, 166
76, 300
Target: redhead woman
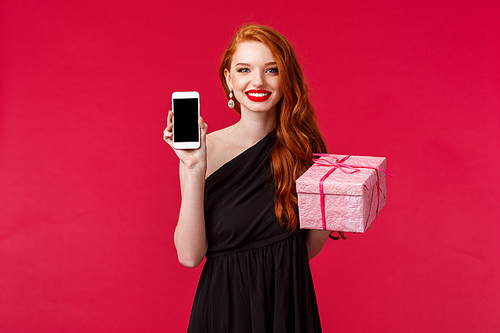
239, 206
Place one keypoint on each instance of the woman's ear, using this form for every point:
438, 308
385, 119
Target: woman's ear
227, 74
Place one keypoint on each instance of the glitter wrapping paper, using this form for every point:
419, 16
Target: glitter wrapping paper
351, 201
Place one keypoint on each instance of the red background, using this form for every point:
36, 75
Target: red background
89, 192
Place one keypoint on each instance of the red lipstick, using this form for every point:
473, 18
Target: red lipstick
258, 95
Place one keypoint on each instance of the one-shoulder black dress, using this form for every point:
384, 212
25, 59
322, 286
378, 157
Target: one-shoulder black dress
256, 277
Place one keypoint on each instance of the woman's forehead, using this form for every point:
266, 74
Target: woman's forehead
252, 52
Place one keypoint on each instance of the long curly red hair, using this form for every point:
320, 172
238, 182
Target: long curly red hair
298, 135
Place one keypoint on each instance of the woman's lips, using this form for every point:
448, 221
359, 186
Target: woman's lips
258, 95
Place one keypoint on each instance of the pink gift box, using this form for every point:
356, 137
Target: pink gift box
352, 199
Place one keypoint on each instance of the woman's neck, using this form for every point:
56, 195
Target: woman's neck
253, 126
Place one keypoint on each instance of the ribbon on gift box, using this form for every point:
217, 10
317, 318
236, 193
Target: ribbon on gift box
335, 164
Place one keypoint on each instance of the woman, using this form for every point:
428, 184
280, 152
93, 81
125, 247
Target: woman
239, 206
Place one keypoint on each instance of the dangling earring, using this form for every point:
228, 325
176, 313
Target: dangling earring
230, 103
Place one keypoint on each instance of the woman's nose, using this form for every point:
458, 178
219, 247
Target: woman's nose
258, 79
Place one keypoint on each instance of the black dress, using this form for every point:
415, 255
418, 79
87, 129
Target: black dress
256, 277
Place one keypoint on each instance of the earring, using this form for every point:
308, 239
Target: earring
230, 103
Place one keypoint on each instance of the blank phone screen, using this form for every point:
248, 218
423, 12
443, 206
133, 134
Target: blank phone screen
186, 120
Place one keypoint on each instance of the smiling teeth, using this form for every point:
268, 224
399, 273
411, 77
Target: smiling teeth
258, 94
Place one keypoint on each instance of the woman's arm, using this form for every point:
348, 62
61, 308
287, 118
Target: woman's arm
190, 237
315, 241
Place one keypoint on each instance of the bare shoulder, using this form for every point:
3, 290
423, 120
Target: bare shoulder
221, 148
216, 140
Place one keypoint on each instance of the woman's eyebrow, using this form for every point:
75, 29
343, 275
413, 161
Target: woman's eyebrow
245, 64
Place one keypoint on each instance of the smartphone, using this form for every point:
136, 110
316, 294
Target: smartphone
186, 109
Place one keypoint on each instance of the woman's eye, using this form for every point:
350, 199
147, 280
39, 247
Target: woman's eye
273, 70
243, 70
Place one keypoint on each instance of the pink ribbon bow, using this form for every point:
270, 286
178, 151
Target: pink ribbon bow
335, 164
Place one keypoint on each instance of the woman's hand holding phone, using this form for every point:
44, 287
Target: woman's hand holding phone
190, 235
190, 158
